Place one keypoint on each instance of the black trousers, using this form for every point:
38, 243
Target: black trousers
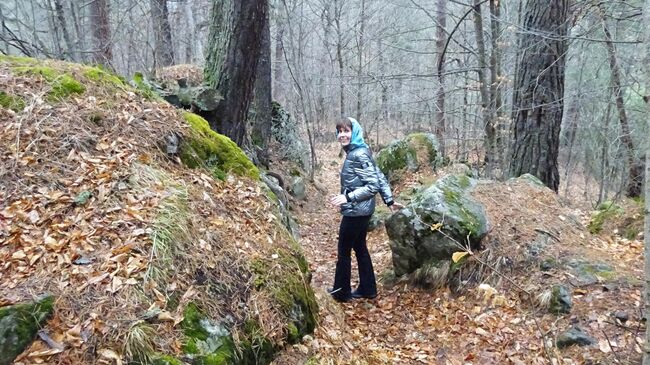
352, 236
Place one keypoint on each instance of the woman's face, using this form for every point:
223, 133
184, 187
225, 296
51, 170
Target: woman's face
345, 133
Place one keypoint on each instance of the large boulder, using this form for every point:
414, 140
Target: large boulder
409, 154
19, 324
439, 221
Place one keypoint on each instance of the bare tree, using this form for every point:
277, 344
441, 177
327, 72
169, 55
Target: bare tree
101, 31
163, 50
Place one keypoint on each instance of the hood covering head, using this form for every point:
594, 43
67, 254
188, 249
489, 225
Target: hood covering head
356, 140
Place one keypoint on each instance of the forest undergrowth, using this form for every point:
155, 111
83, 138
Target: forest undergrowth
504, 321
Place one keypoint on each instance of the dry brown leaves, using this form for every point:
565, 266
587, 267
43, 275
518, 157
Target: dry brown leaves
497, 326
84, 180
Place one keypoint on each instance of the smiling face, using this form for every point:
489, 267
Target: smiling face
345, 133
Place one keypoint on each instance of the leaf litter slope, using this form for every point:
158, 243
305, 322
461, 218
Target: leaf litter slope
93, 211
504, 325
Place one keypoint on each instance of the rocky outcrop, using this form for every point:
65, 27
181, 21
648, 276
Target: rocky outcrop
439, 221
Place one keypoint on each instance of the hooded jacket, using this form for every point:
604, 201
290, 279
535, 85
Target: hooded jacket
360, 177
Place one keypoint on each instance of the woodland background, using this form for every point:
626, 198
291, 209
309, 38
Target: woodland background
397, 66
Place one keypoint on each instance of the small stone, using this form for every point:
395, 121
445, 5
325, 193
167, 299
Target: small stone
621, 316
560, 299
574, 336
82, 198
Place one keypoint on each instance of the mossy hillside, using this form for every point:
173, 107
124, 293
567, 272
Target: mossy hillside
287, 279
13, 102
62, 84
605, 211
103, 77
203, 147
19, 324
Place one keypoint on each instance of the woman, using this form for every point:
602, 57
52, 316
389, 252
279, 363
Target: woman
360, 181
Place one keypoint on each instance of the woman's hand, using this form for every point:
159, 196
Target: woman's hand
396, 207
338, 200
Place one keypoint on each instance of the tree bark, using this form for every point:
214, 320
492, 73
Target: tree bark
496, 102
488, 125
60, 16
360, 45
261, 116
338, 9
635, 168
646, 236
234, 46
101, 31
441, 38
163, 50
539, 91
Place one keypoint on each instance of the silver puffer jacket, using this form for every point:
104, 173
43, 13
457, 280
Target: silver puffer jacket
360, 181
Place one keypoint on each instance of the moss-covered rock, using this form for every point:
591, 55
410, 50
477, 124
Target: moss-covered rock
204, 147
402, 155
378, 217
560, 299
287, 278
589, 273
396, 158
439, 221
19, 324
13, 102
206, 342
530, 179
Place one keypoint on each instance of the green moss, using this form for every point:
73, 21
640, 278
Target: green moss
429, 142
294, 334
255, 348
606, 211
398, 156
166, 360
15, 103
142, 87
102, 76
191, 324
19, 324
63, 84
18, 60
286, 278
206, 148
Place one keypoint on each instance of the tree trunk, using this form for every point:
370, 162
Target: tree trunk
360, 44
60, 16
338, 9
539, 91
79, 45
277, 71
604, 151
635, 168
496, 103
234, 47
261, 116
646, 236
488, 125
101, 31
163, 48
441, 38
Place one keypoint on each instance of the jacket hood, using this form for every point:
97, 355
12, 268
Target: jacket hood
356, 140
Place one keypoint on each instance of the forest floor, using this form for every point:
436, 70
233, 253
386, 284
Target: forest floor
505, 324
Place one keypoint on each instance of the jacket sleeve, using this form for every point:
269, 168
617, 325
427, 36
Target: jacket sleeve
384, 188
365, 170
